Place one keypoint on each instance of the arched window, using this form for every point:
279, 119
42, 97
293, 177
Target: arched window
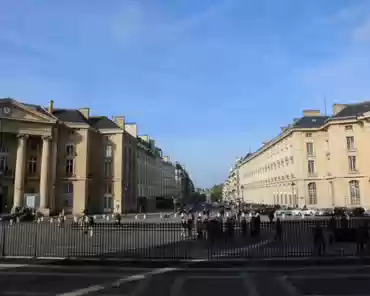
312, 194
290, 199
281, 199
354, 192
286, 198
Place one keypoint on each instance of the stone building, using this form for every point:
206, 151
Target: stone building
57, 159
317, 161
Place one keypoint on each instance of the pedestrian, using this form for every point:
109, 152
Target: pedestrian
91, 224
243, 225
199, 226
118, 218
190, 224
319, 241
362, 238
332, 227
271, 216
279, 230
183, 225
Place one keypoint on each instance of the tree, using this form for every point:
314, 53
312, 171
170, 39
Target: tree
216, 192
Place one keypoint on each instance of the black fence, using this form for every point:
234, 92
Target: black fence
141, 240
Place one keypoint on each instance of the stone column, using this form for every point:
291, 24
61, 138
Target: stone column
19, 171
44, 184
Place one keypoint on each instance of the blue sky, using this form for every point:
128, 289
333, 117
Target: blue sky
207, 79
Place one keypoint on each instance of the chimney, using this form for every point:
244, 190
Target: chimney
152, 144
51, 106
145, 138
338, 107
283, 128
85, 112
131, 128
120, 121
309, 113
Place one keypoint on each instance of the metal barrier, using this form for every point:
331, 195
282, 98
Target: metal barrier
168, 240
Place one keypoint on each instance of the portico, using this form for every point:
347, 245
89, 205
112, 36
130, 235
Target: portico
26, 136
20, 172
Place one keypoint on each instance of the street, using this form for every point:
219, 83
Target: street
44, 280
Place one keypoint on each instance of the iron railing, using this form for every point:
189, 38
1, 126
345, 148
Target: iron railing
167, 240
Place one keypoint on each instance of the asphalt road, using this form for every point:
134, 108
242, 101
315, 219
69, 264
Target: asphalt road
44, 280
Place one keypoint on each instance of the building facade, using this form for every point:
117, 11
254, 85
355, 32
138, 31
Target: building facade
56, 160
156, 176
316, 161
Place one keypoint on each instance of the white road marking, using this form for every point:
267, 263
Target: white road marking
7, 266
177, 286
119, 282
84, 291
249, 285
225, 253
288, 287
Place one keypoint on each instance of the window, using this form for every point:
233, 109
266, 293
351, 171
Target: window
309, 148
290, 199
312, 194
352, 163
108, 188
3, 163
308, 135
108, 202
108, 150
32, 165
354, 192
68, 188
67, 195
291, 160
350, 143
107, 168
348, 127
69, 167
311, 167
33, 145
286, 198
70, 149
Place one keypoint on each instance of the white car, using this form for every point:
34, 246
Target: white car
309, 212
297, 212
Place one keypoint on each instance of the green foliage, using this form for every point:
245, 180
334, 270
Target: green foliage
216, 192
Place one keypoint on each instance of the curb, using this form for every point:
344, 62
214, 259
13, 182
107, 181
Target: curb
206, 263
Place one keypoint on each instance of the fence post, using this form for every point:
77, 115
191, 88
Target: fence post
36, 239
3, 237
